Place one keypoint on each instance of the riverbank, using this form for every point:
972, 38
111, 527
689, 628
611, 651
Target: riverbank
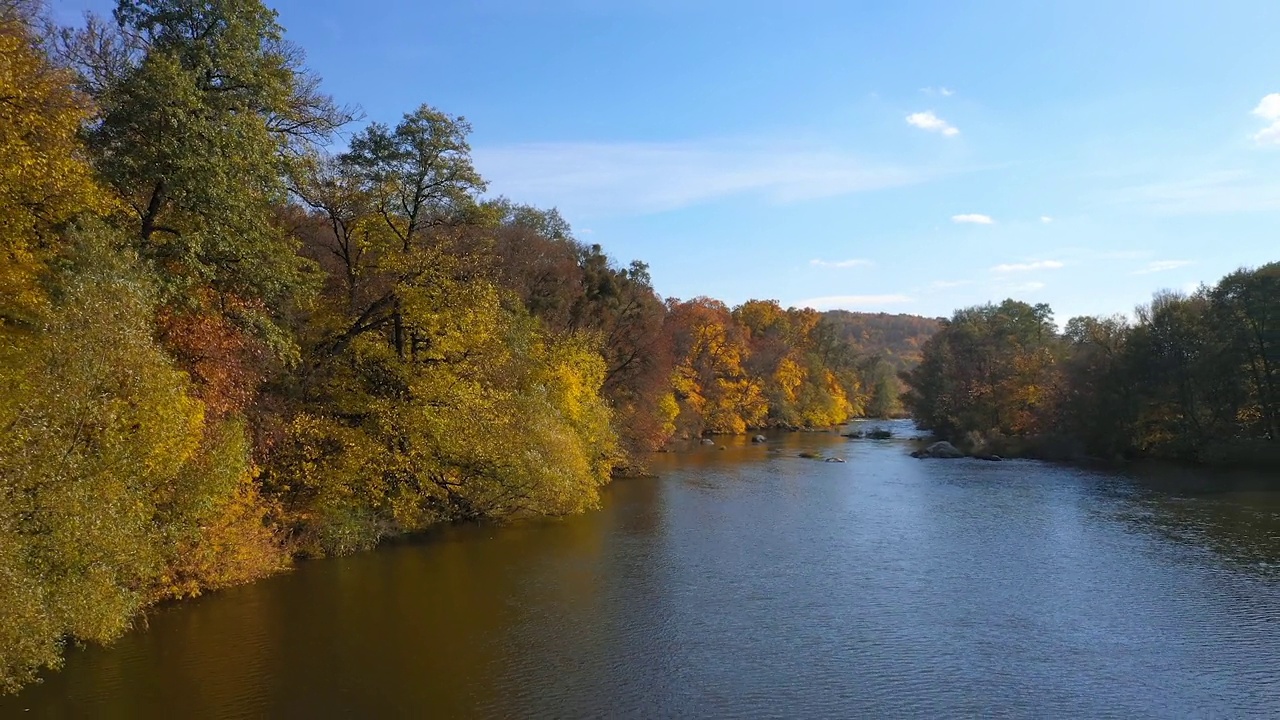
1242, 454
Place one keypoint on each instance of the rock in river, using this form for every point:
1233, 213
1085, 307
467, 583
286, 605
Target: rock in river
942, 450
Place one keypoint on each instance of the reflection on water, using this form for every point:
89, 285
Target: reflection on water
749, 582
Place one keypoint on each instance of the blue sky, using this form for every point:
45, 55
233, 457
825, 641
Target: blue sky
889, 156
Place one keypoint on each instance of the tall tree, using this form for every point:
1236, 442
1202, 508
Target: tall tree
203, 106
1247, 302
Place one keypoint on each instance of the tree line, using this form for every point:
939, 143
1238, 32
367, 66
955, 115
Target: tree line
1193, 377
225, 344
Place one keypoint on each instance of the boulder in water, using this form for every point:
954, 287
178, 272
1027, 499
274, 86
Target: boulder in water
759, 439
941, 450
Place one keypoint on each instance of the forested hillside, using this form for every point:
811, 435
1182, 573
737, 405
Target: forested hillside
1192, 377
228, 339
899, 339
887, 345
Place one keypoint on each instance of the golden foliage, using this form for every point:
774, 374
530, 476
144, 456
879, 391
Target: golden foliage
44, 177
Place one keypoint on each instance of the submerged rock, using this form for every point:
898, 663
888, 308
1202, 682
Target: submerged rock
835, 460
708, 441
759, 439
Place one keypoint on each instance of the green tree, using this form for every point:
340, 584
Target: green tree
990, 368
1247, 306
203, 106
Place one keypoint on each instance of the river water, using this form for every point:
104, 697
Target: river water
748, 582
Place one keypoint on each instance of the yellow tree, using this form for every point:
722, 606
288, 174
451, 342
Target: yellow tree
431, 394
716, 392
44, 178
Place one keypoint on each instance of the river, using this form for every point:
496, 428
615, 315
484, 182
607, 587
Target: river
748, 582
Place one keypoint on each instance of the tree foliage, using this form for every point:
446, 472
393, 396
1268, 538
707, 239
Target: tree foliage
1194, 377
45, 179
117, 488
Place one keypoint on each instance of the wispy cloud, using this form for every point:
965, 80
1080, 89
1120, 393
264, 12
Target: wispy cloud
928, 121
944, 92
1084, 255
973, 218
1028, 266
1221, 192
632, 178
852, 302
1269, 110
1161, 266
855, 262
1046, 219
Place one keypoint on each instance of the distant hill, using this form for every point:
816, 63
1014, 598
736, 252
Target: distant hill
898, 338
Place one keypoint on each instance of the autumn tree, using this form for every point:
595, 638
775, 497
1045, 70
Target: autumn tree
428, 394
44, 177
714, 391
118, 487
576, 288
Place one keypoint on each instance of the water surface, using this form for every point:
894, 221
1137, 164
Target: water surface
747, 582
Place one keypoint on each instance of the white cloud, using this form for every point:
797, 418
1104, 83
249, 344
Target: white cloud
1028, 267
634, 178
1046, 219
855, 262
1269, 135
1162, 265
852, 302
1269, 110
973, 218
928, 121
944, 92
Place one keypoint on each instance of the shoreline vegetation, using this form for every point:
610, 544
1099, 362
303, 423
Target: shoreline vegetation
1193, 378
240, 326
